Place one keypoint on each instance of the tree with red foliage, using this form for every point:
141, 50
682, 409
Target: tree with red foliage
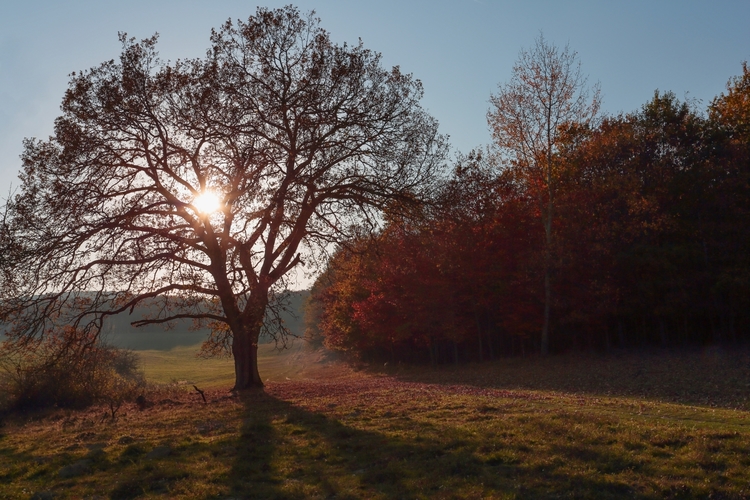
442, 283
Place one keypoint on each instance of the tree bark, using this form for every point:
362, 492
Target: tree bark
545, 325
245, 352
547, 222
245, 343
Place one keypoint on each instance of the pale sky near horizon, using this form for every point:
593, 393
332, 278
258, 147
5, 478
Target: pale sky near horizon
460, 49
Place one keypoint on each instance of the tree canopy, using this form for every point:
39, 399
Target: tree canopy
650, 248
203, 183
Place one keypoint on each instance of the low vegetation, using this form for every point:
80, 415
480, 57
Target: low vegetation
507, 430
67, 369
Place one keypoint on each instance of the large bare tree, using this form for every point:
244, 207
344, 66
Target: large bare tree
546, 93
199, 185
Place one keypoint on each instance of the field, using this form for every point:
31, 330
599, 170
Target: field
627, 426
180, 365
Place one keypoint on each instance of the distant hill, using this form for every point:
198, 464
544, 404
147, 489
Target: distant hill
119, 332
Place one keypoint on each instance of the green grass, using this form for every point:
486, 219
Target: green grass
416, 433
182, 365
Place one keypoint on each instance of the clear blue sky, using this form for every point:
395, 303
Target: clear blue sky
460, 49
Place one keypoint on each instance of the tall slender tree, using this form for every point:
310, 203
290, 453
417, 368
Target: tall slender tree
546, 93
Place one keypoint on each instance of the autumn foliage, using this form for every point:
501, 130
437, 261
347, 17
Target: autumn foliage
650, 247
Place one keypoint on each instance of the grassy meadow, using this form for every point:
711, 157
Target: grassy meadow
568, 426
181, 366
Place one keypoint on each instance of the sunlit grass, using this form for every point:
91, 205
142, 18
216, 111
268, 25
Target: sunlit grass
182, 365
354, 435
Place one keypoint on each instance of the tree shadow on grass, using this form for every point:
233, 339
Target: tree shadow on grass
285, 451
710, 377
408, 449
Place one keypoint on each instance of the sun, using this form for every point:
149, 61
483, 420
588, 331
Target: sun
207, 203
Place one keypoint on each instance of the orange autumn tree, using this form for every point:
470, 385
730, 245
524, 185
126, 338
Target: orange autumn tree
445, 285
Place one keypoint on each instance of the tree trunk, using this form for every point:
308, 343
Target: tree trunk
490, 344
245, 344
547, 221
607, 345
479, 337
545, 325
245, 352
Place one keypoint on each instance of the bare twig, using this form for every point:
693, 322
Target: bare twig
201, 393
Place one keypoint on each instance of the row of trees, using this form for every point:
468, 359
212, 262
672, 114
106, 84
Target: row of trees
624, 231
198, 186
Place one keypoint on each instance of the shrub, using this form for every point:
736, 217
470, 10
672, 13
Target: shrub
68, 368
